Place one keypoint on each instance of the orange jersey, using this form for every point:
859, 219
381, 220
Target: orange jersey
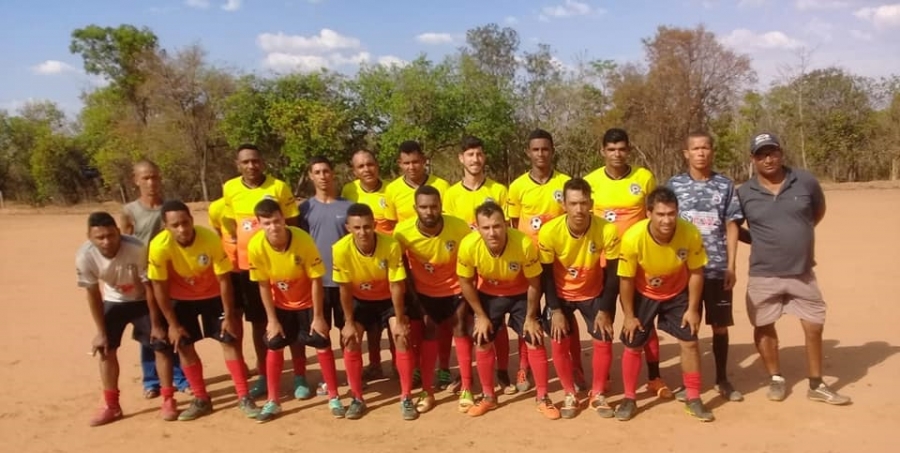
240, 201
289, 272
375, 200
660, 271
460, 201
192, 271
621, 201
504, 275
432, 259
216, 214
578, 262
369, 276
535, 204
401, 197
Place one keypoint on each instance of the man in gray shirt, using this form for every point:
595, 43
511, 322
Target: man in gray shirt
782, 206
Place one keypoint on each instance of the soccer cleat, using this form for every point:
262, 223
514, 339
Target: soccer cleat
336, 408
269, 411
301, 388
322, 389
408, 409
626, 410
455, 385
106, 415
443, 379
373, 372
259, 388
505, 385
487, 403
545, 406
696, 409
681, 394
248, 407
522, 382
425, 402
777, 389
466, 401
727, 391
198, 408
356, 410
824, 394
601, 406
660, 389
569, 407
169, 410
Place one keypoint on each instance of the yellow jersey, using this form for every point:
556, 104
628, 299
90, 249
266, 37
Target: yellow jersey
432, 259
535, 204
192, 271
504, 275
460, 201
369, 276
578, 262
355, 192
621, 201
401, 197
240, 201
289, 272
216, 214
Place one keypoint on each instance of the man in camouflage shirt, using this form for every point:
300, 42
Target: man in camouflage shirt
709, 201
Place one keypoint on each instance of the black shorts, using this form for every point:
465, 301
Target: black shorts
439, 309
200, 318
296, 325
588, 309
375, 313
667, 314
117, 316
717, 303
497, 307
247, 298
333, 310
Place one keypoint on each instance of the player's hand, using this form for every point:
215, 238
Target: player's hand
630, 326
691, 319
229, 326
273, 329
532, 328
730, 279
603, 324
351, 334
559, 325
176, 334
320, 327
483, 330
401, 326
100, 344
158, 333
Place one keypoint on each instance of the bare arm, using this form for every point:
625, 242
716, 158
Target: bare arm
95, 303
126, 222
398, 293
161, 296
265, 293
227, 294
626, 296
695, 289
467, 286
534, 298
347, 303
732, 233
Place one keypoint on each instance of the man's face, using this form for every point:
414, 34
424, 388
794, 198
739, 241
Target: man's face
540, 152
768, 161
615, 155
492, 229
699, 153
428, 208
274, 227
363, 230
472, 161
181, 225
412, 165
578, 207
250, 164
322, 176
106, 238
148, 180
663, 217
365, 168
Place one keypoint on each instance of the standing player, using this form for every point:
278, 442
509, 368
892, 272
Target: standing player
661, 280
431, 244
241, 195
189, 270
368, 266
508, 270
400, 194
535, 198
783, 205
286, 264
709, 201
579, 253
119, 264
620, 194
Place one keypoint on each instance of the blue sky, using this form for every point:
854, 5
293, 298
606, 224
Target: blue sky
268, 36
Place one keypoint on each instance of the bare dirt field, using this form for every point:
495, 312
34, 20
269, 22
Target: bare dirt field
51, 384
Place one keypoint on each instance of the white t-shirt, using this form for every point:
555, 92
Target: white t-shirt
122, 277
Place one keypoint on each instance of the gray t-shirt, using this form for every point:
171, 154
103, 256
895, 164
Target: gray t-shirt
325, 222
147, 221
121, 278
709, 205
783, 225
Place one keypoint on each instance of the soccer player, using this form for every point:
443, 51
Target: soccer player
783, 205
709, 201
368, 266
241, 195
535, 198
431, 244
286, 264
399, 195
579, 254
620, 194
505, 262
189, 270
661, 281
140, 218
112, 269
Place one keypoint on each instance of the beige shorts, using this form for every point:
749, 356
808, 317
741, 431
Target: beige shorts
770, 297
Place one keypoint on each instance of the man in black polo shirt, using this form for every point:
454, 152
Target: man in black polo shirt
783, 205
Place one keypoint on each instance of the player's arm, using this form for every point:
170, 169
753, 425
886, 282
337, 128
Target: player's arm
319, 325
695, 293
161, 292
156, 317
273, 328
126, 222
482, 327
732, 234
818, 202
532, 327
95, 303
397, 276
559, 326
627, 269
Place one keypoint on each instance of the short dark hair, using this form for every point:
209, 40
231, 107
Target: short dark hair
540, 134
364, 151
100, 219
359, 210
319, 160
577, 185
266, 208
661, 194
615, 135
173, 206
487, 209
428, 191
410, 146
698, 134
244, 146
470, 142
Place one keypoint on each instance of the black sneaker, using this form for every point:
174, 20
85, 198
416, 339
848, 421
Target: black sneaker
626, 410
777, 389
356, 410
408, 409
696, 409
198, 408
727, 391
824, 394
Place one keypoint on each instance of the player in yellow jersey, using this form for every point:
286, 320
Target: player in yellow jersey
661, 281
368, 266
620, 197
400, 194
499, 275
368, 188
289, 269
579, 253
431, 244
475, 188
189, 272
241, 195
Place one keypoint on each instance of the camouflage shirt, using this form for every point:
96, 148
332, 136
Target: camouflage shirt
709, 205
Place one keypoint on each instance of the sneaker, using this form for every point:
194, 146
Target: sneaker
545, 406
466, 401
408, 409
681, 394
727, 391
487, 403
443, 379
696, 409
456, 385
660, 389
505, 385
777, 389
151, 393
106, 415
569, 407
198, 408
601, 406
259, 388
824, 394
626, 410
322, 389
169, 410
248, 407
336, 408
373, 372
425, 402
580, 382
269, 411
522, 383
356, 409
301, 388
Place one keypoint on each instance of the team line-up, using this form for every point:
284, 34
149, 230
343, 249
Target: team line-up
443, 265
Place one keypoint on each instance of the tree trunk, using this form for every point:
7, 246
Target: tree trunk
203, 175
895, 168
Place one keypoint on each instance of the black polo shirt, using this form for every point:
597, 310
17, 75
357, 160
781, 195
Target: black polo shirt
782, 225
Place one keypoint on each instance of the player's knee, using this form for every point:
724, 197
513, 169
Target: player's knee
812, 330
690, 346
276, 343
720, 330
318, 341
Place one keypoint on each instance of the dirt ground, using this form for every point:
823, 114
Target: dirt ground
51, 384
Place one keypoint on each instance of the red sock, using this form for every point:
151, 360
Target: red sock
405, 366
484, 361
692, 385
464, 357
353, 364
523, 354
329, 370
111, 398
429, 351
274, 365
299, 361
416, 334
445, 344
236, 368
562, 361
167, 392
602, 361
194, 375
501, 343
575, 350
652, 347
537, 358
631, 369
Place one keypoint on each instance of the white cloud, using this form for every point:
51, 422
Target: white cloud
884, 16
510, 20
232, 5
820, 29
390, 60
751, 3
328, 49
861, 35
806, 5
743, 39
198, 4
285, 62
435, 38
326, 40
568, 9
51, 67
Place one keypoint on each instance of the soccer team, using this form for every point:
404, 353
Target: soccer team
443, 265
